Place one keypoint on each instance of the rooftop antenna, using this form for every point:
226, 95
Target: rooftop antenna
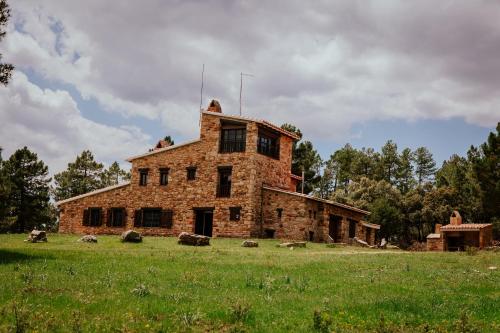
201, 92
241, 85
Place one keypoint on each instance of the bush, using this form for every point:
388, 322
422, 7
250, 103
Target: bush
322, 321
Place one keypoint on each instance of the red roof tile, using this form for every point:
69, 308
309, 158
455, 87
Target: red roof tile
465, 227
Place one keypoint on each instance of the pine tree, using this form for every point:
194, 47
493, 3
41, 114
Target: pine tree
82, 176
404, 173
389, 161
5, 189
425, 166
114, 175
29, 196
5, 69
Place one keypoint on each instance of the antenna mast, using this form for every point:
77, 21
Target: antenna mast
201, 92
241, 85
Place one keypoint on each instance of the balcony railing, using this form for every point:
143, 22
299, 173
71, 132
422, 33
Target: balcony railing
223, 190
232, 146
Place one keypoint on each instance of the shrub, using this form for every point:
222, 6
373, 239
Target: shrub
141, 291
322, 321
239, 312
471, 250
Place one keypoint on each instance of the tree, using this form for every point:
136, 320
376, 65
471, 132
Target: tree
404, 172
29, 196
486, 167
5, 69
388, 216
169, 140
425, 166
5, 189
82, 176
389, 161
114, 175
304, 158
365, 163
343, 161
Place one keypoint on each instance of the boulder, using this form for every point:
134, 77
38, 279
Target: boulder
37, 236
185, 238
131, 236
293, 244
249, 243
383, 243
88, 239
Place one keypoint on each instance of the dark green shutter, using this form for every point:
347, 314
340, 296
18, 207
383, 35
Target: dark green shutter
86, 217
101, 216
138, 218
109, 217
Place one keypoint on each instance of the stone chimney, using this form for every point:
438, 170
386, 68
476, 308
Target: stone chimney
214, 106
437, 229
455, 218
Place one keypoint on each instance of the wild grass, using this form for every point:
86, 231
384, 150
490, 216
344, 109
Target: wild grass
159, 286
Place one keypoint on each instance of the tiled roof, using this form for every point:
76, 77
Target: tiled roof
295, 176
371, 225
316, 199
159, 150
465, 227
109, 188
259, 121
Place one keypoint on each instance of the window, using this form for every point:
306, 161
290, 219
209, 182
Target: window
314, 215
233, 138
224, 184
153, 218
310, 213
280, 212
163, 176
234, 213
352, 228
143, 177
191, 173
116, 217
92, 217
268, 144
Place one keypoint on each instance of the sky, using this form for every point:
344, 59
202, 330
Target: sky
114, 77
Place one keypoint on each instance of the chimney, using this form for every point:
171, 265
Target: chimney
437, 229
455, 218
214, 106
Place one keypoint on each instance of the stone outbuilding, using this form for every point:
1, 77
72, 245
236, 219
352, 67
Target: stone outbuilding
456, 236
235, 180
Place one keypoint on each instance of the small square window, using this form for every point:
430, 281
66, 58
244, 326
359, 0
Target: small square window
143, 177
234, 213
314, 214
280, 212
191, 173
163, 176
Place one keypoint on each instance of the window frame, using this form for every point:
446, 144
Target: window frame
280, 212
91, 222
112, 214
191, 173
145, 211
164, 176
224, 190
268, 143
143, 177
235, 213
233, 137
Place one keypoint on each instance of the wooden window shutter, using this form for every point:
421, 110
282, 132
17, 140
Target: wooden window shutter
124, 217
101, 216
109, 217
166, 219
138, 218
86, 217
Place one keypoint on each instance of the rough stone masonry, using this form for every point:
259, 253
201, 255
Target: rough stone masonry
234, 181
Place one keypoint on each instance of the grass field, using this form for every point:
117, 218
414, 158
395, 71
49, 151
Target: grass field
158, 285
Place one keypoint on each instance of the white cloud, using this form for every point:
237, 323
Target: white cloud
49, 123
324, 66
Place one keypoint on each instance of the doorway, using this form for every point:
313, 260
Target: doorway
334, 228
204, 222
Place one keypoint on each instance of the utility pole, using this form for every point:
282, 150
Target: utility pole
201, 92
241, 85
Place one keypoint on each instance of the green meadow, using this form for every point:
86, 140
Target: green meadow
160, 286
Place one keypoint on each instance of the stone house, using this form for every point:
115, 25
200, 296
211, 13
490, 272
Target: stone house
457, 235
234, 181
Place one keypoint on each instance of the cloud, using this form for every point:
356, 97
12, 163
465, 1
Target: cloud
324, 66
49, 123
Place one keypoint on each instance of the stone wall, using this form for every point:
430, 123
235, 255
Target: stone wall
435, 244
307, 219
250, 172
